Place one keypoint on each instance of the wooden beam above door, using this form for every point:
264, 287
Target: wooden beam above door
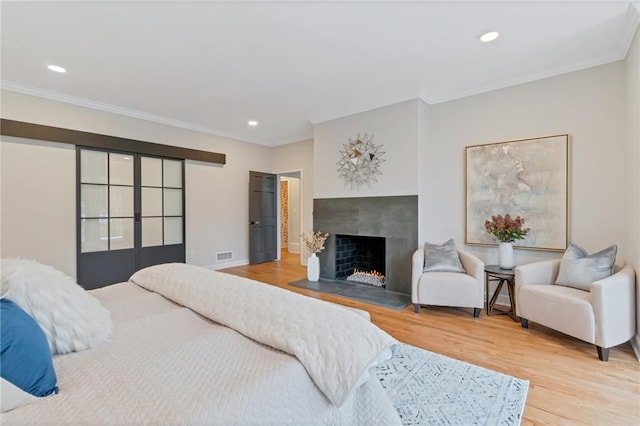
26, 130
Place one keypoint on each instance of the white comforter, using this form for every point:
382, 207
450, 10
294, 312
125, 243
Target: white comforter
166, 364
336, 346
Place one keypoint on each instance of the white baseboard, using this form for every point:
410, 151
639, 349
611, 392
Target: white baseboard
635, 344
230, 264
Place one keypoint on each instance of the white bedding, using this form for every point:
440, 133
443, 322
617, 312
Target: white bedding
167, 364
335, 346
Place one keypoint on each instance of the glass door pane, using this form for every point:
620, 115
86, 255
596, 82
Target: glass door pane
106, 201
151, 171
94, 200
93, 166
121, 234
172, 202
162, 200
172, 174
172, 230
151, 202
151, 231
93, 235
120, 169
121, 201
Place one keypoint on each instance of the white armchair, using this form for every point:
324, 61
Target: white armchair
458, 289
604, 316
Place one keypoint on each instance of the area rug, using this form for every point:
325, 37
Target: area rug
360, 292
431, 389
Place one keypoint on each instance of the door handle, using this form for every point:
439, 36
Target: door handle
255, 222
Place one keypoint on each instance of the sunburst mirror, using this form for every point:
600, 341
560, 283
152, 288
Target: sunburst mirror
360, 161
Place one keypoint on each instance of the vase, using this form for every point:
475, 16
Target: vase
313, 267
505, 255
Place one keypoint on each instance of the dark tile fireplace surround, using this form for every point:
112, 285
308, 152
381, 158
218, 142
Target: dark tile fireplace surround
393, 221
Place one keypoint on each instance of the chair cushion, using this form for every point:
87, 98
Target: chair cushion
449, 289
562, 308
442, 258
579, 269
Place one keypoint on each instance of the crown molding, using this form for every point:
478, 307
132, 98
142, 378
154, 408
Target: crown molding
294, 139
631, 26
354, 111
434, 100
114, 109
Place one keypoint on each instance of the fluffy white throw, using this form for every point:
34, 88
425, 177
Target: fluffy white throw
336, 346
71, 318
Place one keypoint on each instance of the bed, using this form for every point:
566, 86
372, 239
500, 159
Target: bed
193, 346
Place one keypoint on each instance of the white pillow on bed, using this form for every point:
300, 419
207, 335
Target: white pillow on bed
12, 396
71, 318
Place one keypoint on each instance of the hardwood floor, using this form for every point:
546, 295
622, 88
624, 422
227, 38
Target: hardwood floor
568, 383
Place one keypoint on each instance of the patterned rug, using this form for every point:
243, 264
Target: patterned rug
431, 389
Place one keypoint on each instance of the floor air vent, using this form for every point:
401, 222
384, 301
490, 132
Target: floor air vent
221, 257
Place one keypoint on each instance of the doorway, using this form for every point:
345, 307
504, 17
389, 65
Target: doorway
290, 217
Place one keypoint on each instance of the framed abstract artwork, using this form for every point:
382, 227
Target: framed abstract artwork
523, 177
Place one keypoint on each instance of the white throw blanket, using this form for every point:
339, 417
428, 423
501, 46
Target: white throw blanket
337, 347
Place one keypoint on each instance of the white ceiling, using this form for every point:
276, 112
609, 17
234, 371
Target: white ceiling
211, 66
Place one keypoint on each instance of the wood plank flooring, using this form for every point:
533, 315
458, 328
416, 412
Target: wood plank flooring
568, 384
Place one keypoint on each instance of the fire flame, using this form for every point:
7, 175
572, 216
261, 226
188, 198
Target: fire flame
374, 274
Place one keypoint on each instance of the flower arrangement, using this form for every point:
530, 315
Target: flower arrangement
315, 244
505, 229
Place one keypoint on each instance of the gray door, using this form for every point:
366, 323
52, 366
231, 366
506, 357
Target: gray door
130, 214
263, 240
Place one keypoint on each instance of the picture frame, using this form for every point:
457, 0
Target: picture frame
523, 177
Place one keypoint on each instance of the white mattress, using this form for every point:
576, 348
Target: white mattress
167, 364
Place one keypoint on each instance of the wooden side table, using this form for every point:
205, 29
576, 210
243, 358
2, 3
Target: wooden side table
493, 273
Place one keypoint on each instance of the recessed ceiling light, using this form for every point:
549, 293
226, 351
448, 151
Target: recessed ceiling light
490, 36
56, 68
252, 123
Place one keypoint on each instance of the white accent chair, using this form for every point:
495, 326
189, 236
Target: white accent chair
457, 289
604, 316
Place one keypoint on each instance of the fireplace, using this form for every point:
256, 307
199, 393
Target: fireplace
391, 221
360, 259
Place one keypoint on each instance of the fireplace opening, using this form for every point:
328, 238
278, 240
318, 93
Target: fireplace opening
361, 259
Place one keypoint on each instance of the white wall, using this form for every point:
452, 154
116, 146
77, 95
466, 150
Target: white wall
424, 145
216, 196
38, 202
423, 177
294, 157
395, 127
632, 74
589, 105
217, 204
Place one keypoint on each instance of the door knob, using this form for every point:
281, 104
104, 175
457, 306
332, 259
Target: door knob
255, 222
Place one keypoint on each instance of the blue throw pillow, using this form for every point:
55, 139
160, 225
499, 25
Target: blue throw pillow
26, 359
